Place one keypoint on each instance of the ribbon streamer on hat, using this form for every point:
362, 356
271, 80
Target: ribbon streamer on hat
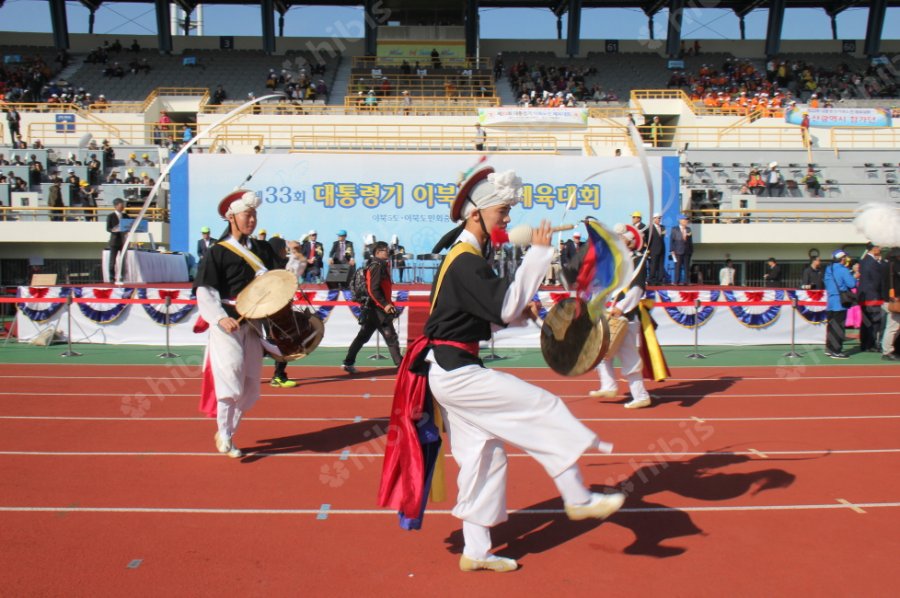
154, 191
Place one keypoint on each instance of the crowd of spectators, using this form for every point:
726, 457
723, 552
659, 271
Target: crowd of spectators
26, 80
299, 87
741, 86
553, 86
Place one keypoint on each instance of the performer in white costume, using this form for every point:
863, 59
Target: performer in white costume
484, 409
626, 305
233, 361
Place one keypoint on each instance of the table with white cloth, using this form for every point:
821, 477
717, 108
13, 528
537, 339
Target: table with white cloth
150, 266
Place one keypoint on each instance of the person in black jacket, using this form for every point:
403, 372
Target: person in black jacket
772, 277
656, 251
378, 311
870, 298
891, 294
812, 277
116, 236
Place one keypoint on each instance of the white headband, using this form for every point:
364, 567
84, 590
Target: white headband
247, 201
499, 189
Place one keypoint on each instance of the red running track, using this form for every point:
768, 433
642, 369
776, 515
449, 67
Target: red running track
763, 482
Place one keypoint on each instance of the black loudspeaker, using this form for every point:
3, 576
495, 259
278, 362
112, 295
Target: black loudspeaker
338, 276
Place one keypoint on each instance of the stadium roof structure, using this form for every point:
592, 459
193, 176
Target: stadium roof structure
456, 12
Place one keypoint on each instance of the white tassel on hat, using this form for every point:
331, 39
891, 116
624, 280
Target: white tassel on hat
879, 223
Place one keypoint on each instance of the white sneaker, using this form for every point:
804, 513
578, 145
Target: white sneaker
601, 506
491, 563
221, 445
606, 394
638, 403
235, 453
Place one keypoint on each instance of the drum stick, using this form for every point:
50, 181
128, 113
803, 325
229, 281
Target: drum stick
521, 235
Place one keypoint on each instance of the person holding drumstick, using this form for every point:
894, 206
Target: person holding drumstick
626, 305
483, 410
233, 361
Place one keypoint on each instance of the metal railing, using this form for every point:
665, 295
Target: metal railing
74, 214
370, 62
745, 216
422, 106
531, 144
864, 138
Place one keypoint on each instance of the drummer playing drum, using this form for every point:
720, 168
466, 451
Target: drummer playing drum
233, 361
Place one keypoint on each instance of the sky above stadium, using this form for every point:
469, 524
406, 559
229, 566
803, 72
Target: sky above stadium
526, 23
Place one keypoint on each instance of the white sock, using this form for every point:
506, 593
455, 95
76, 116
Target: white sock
477, 540
571, 487
604, 447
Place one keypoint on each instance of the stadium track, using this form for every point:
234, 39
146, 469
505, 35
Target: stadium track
743, 480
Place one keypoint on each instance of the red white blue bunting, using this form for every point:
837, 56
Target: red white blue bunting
755, 316
815, 314
102, 313
687, 316
157, 311
41, 312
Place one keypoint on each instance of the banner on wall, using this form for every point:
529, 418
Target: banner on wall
415, 50
408, 195
840, 117
512, 116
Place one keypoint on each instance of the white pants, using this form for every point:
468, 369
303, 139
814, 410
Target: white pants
630, 360
484, 409
891, 325
236, 362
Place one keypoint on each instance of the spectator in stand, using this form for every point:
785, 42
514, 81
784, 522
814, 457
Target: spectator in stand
813, 187
772, 277
135, 46
130, 178
655, 131
89, 200
480, 138
755, 183
871, 291
54, 199
812, 278
804, 129
146, 180
13, 121
838, 279
726, 274
219, 95
774, 181
93, 173
113, 178
146, 161
132, 160
35, 172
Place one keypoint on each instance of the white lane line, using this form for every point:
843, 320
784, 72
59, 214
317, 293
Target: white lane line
332, 511
853, 507
759, 454
850, 394
307, 455
359, 419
